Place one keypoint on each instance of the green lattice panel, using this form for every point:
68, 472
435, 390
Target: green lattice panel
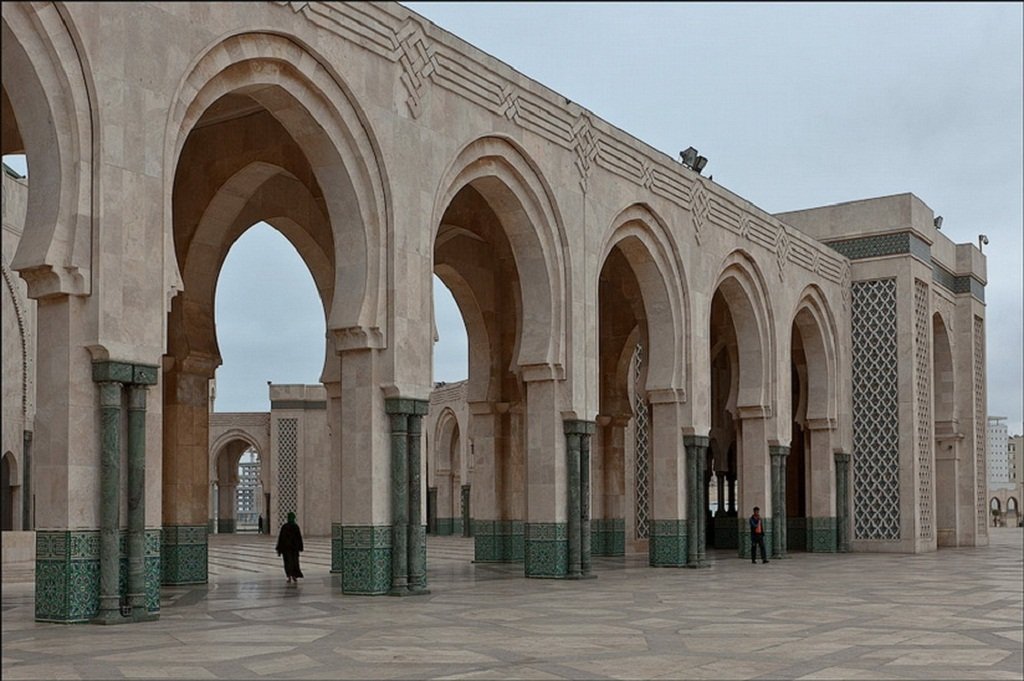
336, 548
608, 537
512, 538
822, 535
365, 559
669, 543
546, 547
445, 526
457, 526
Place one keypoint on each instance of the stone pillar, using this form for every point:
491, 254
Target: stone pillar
545, 531
732, 492
485, 492
720, 479
432, 524
671, 535
226, 507
26, 485
577, 444
467, 516
408, 541
754, 478
842, 502
137, 500
696, 461
778, 456
110, 502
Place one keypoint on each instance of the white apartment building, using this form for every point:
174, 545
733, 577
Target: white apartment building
998, 454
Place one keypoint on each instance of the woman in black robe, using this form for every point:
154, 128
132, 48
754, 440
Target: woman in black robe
289, 543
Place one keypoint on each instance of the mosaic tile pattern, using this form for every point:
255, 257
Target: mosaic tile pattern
822, 535
877, 246
608, 537
875, 410
669, 543
445, 526
981, 474
287, 467
923, 406
498, 541
183, 555
365, 558
546, 547
641, 448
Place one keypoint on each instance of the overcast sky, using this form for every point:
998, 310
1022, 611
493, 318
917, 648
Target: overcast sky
794, 105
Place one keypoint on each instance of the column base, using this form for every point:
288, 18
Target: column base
546, 549
362, 555
608, 537
669, 543
498, 541
184, 555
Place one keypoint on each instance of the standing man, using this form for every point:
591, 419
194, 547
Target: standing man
289, 544
757, 537
260, 530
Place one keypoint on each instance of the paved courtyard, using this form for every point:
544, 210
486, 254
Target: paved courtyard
954, 614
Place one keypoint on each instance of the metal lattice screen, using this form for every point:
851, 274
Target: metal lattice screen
642, 449
287, 472
876, 428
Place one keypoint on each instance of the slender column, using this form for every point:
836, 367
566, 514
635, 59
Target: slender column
417, 548
467, 517
572, 455
732, 492
137, 500
585, 440
720, 479
110, 504
778, 455
399, 503
696, 492
842, 502
26, 488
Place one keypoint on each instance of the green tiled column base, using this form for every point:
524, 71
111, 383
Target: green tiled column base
497, 541
546, 550
457, 526
68, 574
744, 537
226, 526
608, 537
668, 544
822, 536
446, 526
362, 554
796, 534
184, 554
726, 532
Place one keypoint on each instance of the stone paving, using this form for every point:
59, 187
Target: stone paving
953, 614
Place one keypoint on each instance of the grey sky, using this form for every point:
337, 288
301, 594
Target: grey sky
795, 106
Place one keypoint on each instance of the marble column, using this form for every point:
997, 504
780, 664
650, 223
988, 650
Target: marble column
842, 502
696, 492
399, 502
417, 545
137, 501
577, 444
110, 503
26, 493
778, 455
408, 533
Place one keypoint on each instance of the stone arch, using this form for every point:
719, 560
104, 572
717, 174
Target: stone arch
647, 244
943, 378
477, 336
1011, 505
9, 481
245, 198
519, 195
447, 429
50, 115
743, 288
994, 504
814, 320
26, 347
309, 99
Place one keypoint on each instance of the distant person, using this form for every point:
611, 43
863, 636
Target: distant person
289, 544
757, 536
259, 529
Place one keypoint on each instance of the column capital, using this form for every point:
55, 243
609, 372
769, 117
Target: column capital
753, 411
578, 427
137, 396
532, 373
696, 441
406, 405
108, 371
842, 457
778, 450
110, 394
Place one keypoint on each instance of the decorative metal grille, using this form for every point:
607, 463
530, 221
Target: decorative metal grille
980, 423
923, 388
287, 471
876, 434
643, 486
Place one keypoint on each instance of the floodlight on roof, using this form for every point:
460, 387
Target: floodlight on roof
688, 157
699, 165
938, 222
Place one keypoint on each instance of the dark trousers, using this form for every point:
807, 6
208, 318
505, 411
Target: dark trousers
757, 540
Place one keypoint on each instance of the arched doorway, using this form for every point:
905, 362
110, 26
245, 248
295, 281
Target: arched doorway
8, 485
947, 439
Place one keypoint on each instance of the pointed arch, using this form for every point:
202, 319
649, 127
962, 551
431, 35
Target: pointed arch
813, 318
55, 111
743, 288
647, 244
308, 98
514, 188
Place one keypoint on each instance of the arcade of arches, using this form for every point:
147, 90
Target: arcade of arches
650, 355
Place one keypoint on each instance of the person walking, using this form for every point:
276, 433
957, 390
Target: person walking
757, 536
289, 544
260, 528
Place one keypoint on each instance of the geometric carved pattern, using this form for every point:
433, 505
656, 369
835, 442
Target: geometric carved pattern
876, 437
643, 486
585, 147
980, 423
546, 549
418, 63
287, 480
699, 209
923, 399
